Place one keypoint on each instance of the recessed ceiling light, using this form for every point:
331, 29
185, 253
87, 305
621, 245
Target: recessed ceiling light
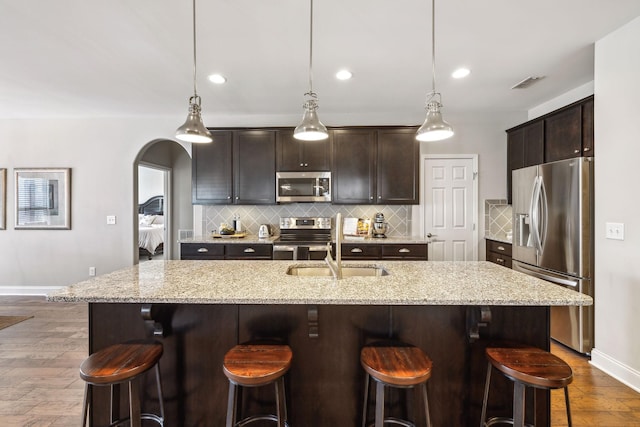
344, 75
460, 73
217, 79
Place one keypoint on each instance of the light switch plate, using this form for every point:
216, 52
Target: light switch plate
111, 219
615, 230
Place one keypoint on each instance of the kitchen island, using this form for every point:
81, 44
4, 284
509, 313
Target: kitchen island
200, 309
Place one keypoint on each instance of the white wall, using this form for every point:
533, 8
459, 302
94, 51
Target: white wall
150, 183
617, 147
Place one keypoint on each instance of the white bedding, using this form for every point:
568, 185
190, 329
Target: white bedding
150, 232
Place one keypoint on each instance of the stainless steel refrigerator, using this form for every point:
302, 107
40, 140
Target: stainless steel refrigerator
553, 238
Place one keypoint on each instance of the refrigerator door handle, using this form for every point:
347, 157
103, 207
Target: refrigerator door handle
545, 276
534, 214
543, 214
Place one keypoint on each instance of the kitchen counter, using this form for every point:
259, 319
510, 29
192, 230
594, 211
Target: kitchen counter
498, 238
265, 282
250, 239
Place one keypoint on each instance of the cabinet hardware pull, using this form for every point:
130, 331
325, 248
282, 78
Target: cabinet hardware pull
301, 164
202, 250
501, 248
404, 251
306, 164
500, 260
576, 151
228, 197
379, 197
237, 197
587, 149
356, 251
249, 251
371, 198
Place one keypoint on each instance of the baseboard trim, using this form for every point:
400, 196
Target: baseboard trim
27, 290
617, 370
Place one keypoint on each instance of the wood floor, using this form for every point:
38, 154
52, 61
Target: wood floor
40, 386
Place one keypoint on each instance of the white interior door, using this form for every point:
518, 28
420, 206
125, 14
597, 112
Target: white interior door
450, 207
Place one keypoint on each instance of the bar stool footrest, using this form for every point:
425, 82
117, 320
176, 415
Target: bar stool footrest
254, 418
502, 420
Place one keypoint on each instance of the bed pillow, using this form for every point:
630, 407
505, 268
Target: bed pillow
147, 220
159, 220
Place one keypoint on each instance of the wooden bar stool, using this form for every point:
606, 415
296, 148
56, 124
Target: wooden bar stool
526, 367
256, 365
394, 365
123, 363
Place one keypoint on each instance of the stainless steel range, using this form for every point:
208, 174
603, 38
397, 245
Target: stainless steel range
302, 238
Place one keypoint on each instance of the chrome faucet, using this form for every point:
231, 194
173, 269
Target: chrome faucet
336, 265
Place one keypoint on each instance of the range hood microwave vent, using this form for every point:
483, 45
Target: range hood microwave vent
527, 82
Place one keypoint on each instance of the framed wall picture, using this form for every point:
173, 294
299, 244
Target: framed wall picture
43, 199
3, 199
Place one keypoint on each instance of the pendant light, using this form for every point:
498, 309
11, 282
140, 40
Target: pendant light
311, 128
434, 127
193, 130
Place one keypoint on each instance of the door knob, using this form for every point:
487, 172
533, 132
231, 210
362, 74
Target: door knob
429, 235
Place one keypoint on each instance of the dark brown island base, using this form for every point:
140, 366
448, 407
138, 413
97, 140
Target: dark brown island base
200, 309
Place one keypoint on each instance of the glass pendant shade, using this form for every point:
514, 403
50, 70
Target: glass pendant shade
311, 128
434, 127
193, 129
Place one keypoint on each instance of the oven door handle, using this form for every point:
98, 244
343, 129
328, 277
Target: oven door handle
318, 248
285, 248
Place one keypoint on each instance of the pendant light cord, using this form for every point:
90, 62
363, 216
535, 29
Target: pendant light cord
311, 50
433, 44
195, 92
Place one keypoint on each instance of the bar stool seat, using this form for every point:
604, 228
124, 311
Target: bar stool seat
526, 367
256, 365
397, 365
123, 363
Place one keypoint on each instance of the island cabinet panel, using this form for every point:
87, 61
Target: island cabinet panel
353, 166
398, 167
293, 155
211, 169
325, 384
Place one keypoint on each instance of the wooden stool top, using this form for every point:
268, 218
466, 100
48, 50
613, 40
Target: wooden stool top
531, 366
257, 364
396, 365
120, 362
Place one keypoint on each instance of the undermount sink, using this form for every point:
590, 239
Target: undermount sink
366, 271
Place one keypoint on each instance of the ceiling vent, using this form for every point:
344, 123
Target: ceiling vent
527, 82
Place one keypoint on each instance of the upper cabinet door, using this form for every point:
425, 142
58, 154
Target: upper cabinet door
294, 155
353, 166
254, 164
563, 134
587, 129
398, 167
211, 169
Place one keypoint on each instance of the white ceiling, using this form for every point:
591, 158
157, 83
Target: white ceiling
125, 57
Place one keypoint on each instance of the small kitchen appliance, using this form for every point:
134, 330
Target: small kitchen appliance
263, 231
379, 226
294, 187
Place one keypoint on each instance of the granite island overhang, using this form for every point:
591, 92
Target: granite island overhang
200, 309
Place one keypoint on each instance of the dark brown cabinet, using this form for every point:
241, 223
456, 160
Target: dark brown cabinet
398, 167
499, 253
375, 166
229, 251
212, 170
299, 156
389, 251
353, 251
238, 167
561, 134
408, 252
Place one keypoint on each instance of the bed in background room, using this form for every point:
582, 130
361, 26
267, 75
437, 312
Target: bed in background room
151, 227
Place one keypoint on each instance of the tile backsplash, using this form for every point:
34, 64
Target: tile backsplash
398, 217
497, 218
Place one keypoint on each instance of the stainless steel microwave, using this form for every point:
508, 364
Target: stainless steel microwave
303, 187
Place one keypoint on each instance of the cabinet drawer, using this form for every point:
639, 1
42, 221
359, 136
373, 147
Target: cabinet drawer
241, 251
497, 258
355, 251
499, 247
408, 252
201, 251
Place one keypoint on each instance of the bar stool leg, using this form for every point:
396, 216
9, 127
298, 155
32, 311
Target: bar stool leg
85, 405
281, 402
367, 380
518, 404
231, 405
379, 404
566, 399
483, 417
134, 404
160, 396
423, 386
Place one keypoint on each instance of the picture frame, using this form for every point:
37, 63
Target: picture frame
42, 198
3, 199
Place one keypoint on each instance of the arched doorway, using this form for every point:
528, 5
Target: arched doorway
174, 162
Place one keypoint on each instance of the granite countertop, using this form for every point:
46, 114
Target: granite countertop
265, 282
498, 238
253, 239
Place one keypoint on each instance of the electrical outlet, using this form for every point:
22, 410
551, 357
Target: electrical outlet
92, 271
615, 230
111, 219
